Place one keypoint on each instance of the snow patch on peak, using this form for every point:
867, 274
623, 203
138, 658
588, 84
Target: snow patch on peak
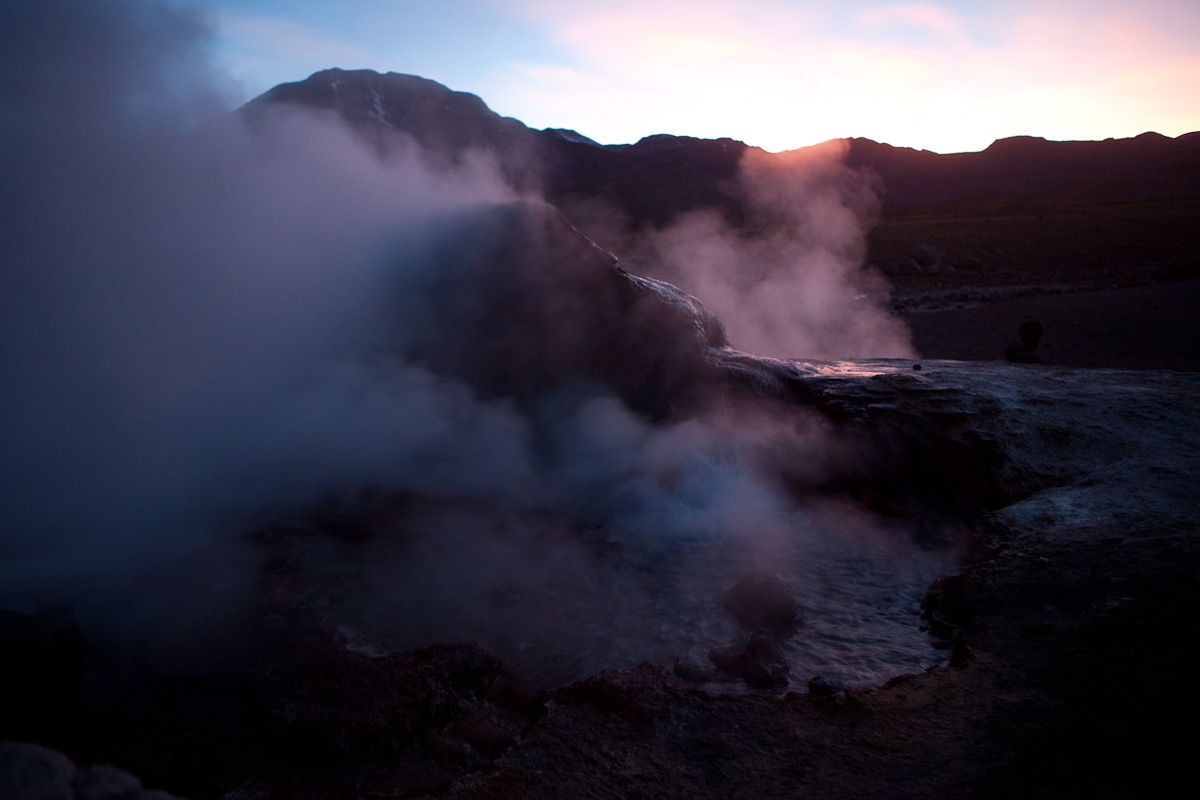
377, 111
572, 136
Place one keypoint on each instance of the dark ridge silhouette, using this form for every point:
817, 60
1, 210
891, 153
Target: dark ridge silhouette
662, 175
650, 181
1026, 167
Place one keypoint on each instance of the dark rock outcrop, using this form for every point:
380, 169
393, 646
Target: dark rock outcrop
520, 303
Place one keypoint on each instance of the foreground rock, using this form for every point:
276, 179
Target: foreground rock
32, 772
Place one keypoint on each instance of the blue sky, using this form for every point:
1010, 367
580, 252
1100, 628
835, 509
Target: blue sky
946, 76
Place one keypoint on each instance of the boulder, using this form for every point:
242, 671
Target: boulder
822, 688
695, 665
763, 662
758, 660
762, 600
728, 658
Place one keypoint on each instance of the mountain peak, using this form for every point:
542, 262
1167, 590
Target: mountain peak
663, 174
367, 97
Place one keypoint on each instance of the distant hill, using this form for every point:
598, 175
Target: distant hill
1027, 167
662, 175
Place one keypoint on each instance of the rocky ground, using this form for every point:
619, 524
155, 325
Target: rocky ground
1071, 637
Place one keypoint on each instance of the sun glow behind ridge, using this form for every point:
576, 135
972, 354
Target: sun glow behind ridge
780, 74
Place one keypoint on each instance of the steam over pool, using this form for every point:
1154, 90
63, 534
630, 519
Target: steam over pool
559, 604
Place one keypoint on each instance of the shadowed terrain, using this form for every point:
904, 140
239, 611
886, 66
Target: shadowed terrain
349, 455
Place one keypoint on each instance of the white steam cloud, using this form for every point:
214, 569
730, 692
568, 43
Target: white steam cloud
790, 282
204, 329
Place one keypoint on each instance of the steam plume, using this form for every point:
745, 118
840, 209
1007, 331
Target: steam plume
790, 283
206, 329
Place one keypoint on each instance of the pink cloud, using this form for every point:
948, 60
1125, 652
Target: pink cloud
784, 75
917, 15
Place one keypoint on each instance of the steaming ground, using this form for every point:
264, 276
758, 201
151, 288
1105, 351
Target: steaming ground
208, 331
559, 603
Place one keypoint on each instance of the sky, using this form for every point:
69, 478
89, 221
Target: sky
945, 76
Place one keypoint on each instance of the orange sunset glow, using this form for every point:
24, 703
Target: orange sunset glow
944, 76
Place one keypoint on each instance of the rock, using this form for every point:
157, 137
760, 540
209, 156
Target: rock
763, 662
758, 660
695, 665
823, 688
762, 600
105, 782
728, 658
32, 772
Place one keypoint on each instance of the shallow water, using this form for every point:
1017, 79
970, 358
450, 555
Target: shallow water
860, 621
557, 612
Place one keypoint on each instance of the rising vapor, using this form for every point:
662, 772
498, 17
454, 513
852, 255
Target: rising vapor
788, 282
206, 328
